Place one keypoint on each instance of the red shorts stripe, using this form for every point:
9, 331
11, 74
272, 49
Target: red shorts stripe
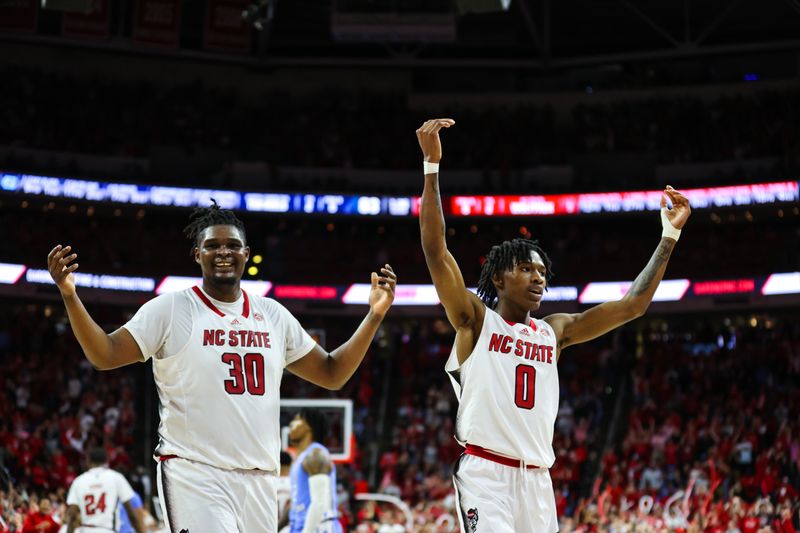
483, 453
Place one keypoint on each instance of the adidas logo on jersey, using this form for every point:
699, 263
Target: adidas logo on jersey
525, 332
235, 322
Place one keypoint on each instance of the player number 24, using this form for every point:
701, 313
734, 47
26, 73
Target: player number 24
92, 506
247, 373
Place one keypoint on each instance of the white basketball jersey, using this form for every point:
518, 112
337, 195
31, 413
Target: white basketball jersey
508, 390
98, 493
218, 369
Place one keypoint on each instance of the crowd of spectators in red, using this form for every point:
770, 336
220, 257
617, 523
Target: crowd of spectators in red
53, 408
710, 441
713, 435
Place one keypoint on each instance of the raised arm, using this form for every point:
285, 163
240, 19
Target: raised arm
105, 351
332, 370
464, 309
581, 327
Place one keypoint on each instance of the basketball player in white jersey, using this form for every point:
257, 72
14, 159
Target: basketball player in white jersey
94, 496
218, 357
504, 362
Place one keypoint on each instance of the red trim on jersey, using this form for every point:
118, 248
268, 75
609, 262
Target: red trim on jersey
210, 305
206, 301
246, 306
166, 457
531, 323
483, 453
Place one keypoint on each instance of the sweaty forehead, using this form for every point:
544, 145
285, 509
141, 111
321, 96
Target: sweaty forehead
221, 232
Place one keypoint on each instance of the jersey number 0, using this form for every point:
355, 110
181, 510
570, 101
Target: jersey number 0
247, 373
525, 389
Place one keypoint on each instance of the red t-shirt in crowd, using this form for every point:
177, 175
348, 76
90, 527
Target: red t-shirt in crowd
749, 524
33, 523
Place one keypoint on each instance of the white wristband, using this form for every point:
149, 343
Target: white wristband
430, 168
669, 230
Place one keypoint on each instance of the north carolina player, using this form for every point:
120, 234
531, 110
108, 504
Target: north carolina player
94, 497
313, 475
218, 357
504, 363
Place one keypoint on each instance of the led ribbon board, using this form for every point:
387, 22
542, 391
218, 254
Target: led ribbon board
399, 206
621, 202
670, 290
98, 191
179, 283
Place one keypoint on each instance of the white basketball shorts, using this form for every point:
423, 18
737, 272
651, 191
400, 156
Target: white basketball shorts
199, 498
495, 498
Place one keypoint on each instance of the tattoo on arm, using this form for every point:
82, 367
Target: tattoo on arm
657, 261
436, 199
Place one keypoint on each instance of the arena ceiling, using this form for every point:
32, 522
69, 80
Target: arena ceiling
535, 34
540, 33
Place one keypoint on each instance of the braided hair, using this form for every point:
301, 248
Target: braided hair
213, 215
503, 257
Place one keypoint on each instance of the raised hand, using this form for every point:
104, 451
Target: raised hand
680, 211
381, 295
428, 138
61, 266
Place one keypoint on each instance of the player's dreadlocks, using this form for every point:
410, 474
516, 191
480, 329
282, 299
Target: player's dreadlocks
503, 257
213, 215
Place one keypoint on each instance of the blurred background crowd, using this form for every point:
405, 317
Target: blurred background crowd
686, 420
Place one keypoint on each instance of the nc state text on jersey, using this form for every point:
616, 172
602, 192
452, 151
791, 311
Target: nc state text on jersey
529, 350
242, 338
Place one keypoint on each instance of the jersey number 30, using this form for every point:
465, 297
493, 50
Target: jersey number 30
247, 373
525, 389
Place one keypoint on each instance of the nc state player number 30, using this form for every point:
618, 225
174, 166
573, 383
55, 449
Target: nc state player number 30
247, 373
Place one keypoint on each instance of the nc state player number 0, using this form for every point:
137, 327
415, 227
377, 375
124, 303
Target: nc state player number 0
525, 389
247, 373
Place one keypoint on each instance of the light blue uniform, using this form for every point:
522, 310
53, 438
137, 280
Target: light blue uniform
301, 497
124, 521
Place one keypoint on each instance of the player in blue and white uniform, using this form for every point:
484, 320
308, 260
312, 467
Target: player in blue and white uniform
313, 477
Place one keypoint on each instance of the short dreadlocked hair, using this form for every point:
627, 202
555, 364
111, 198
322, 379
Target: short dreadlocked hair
504, 257
213, 215
316, 421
